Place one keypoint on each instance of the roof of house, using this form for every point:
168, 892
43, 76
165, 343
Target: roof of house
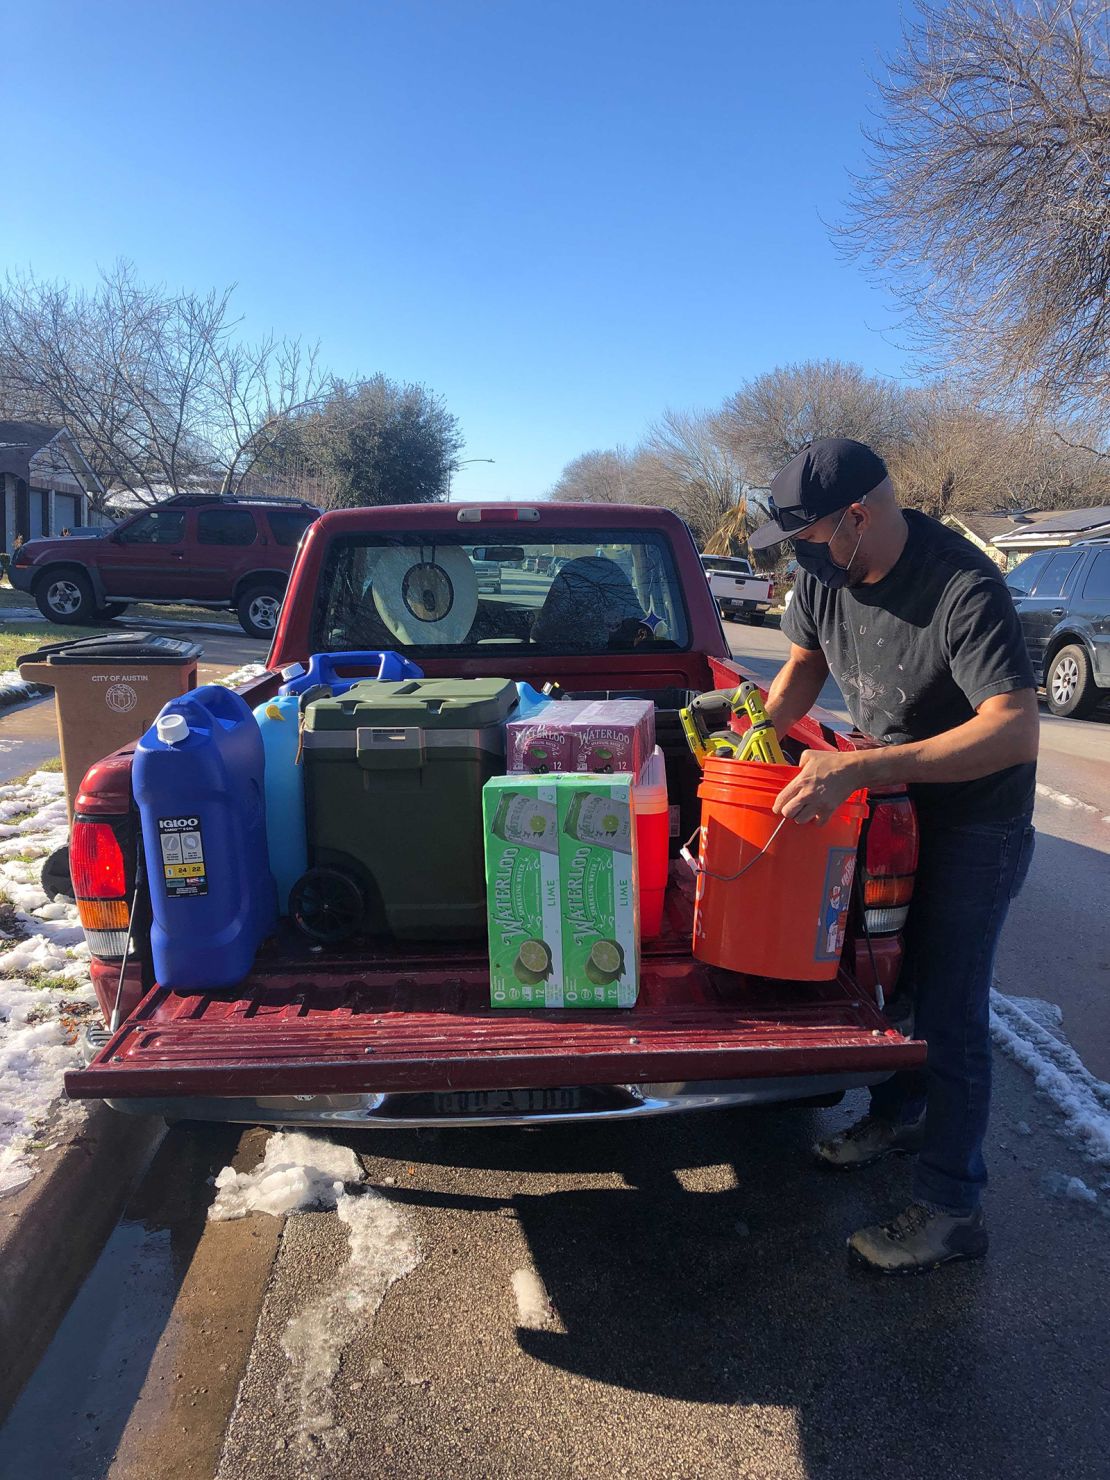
1059, 527
20, 440
988, 527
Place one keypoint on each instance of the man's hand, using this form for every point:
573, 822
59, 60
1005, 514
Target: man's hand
827, 778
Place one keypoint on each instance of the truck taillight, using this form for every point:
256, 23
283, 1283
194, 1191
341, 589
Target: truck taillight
99, 873
890, 863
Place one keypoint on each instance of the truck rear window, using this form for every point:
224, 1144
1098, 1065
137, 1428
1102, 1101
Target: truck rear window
576, 591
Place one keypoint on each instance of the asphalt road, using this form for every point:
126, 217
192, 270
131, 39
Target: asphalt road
666, 1299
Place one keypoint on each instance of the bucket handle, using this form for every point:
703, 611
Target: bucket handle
696, 863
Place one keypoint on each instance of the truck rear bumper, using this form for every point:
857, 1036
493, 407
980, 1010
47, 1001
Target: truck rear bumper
401, 1112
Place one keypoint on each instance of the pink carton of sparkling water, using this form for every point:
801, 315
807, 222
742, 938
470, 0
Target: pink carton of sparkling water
605, 736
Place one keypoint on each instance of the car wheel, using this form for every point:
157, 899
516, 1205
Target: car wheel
65, 596
258, 609
110, 610
1070, 686
757, 619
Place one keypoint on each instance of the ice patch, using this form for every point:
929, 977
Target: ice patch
533, 1304
1059, 1073
297, 1171
1072, 1189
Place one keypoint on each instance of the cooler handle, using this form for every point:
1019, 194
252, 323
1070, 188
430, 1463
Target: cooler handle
392, 747
391, 666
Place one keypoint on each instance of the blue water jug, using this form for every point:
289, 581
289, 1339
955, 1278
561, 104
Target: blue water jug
279, 723
198, 779
323, 669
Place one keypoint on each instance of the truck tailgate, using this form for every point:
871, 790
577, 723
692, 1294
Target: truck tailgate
416, 1021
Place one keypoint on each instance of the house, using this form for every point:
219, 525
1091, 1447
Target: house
44, 480
981, 529
1009, 537
1056, 532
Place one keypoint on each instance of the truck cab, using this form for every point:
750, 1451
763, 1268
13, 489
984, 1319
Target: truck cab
378, 1032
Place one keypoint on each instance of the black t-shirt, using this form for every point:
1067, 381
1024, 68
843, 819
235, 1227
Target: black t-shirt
917, 652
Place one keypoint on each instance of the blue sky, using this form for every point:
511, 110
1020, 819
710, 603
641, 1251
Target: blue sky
563, 216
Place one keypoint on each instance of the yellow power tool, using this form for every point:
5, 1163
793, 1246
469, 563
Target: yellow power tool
705, 725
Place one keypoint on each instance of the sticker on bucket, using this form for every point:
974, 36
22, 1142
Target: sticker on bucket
835, 897
182, 857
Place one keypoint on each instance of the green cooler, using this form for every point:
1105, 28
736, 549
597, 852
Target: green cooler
393, 786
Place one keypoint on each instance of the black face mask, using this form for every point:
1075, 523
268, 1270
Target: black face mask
815, 560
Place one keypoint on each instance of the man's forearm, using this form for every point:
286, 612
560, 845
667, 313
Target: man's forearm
979, 747
794, 693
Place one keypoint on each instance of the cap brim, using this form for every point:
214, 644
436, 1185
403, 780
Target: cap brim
772, 533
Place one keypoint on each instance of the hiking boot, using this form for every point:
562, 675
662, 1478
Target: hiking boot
868, 1141
920, 1239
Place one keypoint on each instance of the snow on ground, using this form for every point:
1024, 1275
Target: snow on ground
1062, 799
1058, 1072
13, 689
45, 991
299, 1172
243, 675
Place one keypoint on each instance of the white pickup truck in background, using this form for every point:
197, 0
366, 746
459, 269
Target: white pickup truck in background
736, 591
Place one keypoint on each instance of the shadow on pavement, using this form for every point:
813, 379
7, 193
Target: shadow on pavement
741, 1294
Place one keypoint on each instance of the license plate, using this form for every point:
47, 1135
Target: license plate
507, 1101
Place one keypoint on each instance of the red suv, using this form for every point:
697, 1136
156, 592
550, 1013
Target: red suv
231, 554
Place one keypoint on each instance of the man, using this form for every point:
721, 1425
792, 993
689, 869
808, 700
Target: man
918, 629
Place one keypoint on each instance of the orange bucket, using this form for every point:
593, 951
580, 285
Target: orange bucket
771, 900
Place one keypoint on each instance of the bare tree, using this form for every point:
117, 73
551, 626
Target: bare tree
599, 477
987, 195
775, 415
961, 457
692, 470
158, 388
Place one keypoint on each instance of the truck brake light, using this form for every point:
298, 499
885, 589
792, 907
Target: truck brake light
890, 862
99, 875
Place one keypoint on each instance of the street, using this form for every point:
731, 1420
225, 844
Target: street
666, 1298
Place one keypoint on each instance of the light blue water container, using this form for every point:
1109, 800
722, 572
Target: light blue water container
279, 724
198, 779
528, 701
323, 668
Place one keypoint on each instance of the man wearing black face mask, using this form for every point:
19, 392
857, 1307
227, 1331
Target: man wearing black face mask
919, 631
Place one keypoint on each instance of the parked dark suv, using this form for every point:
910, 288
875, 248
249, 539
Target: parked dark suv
1063, 600
231, 554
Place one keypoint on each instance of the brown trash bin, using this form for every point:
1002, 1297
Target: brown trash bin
109, 690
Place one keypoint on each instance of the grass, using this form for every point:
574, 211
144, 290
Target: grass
19, 638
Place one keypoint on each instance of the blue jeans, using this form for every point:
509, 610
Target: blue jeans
966, 878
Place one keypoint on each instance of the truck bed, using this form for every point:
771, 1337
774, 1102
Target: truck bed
373, 1019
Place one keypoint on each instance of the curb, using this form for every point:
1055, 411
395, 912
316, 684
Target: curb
53, 1229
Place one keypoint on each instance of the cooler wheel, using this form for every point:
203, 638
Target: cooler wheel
327, 906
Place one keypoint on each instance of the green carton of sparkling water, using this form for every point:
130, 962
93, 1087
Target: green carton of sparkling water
597, 884
523, 892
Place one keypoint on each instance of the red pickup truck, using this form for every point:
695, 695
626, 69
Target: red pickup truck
377, 1033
